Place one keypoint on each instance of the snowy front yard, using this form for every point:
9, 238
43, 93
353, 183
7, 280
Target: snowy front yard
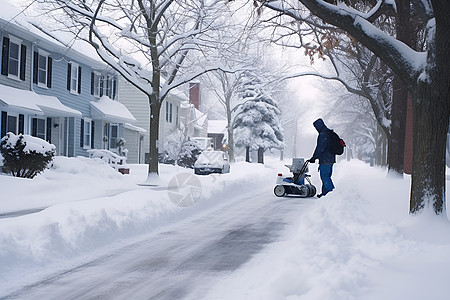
356, 243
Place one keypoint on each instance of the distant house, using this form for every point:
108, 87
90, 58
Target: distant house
177, 112
193, 121
217, 130
56, 93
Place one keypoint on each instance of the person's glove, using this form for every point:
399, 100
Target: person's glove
312, 160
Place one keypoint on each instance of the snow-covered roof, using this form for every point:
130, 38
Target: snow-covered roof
31, 102
134, 128
38, 30
13, 14
197, 116
109, 110
179, 94
200, 118
217, 126
185, 104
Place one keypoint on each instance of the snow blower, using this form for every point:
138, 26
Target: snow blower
295, 185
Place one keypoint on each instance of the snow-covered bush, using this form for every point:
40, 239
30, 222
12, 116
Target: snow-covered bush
24, 155
189, 154
180, 150
120, 143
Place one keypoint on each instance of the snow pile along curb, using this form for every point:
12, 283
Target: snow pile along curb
356, 243
73, 229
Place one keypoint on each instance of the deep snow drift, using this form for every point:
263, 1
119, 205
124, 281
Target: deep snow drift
358, 242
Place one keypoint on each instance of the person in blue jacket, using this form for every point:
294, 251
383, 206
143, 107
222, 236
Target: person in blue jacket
325, 156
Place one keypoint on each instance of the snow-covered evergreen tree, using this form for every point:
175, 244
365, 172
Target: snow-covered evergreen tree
256, 124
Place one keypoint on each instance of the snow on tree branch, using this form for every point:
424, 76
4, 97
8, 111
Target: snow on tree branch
404, 61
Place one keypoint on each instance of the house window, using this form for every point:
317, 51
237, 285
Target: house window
96, 84
109, 86
113, 135
169, 112
87, 135
74, 78
42, 69
103, 85
13, 58
14, 62
38, 128
11, 122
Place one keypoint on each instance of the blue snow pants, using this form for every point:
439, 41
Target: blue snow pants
325, 176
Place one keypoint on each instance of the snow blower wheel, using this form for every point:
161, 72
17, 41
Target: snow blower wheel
279, 191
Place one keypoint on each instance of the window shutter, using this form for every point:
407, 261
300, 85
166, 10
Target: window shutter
92, 134
82, 134
108, 88
49, 72
5, 56
21, 123
35, 67
101, 86
167, 112
92, 83
23, 61
3, 127
79, 80
69, 71
114, 90
49, 130
34, 127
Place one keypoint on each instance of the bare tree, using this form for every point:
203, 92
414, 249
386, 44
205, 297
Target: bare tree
425, 74
356, 68
147, 42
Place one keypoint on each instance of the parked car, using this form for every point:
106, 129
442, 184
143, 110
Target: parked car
211, 161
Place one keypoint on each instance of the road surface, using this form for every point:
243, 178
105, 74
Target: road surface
180, 262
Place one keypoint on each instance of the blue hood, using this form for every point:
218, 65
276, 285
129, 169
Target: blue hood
319, 125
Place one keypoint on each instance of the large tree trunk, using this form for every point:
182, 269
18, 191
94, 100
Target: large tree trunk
231, 145
379, 144
155, 108
396, 143
430, 133
396, 146
260, 155
247, 154
230, 136
431, 112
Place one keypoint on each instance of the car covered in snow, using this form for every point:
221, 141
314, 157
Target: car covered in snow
211, 161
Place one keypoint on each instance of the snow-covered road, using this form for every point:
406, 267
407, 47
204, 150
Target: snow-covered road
181, 261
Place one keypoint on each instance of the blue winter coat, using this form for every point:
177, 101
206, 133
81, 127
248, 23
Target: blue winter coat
321, 152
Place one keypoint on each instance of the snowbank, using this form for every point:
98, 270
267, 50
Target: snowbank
356, 243
88, 206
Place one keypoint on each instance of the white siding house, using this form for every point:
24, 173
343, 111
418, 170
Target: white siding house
137, 136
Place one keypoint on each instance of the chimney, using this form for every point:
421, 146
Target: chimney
194, 94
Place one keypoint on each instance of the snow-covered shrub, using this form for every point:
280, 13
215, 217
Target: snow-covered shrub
120, 143
189, 154
24, 155
180, 150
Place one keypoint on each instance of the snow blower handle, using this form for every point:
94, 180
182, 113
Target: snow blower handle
303, 169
